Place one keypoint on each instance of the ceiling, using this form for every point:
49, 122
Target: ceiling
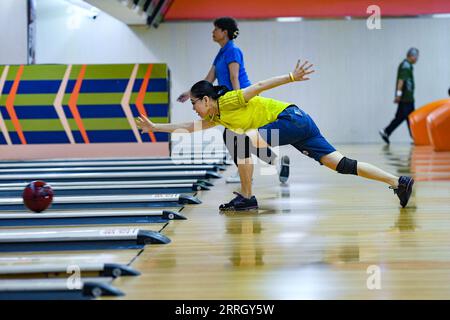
269, 9
121, 10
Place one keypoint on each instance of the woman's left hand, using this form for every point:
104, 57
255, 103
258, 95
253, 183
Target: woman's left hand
301, 71
145, 124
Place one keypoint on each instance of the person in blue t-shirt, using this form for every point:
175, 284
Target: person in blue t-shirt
229, 70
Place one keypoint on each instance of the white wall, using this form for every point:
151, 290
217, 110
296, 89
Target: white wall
13, 35
66, 35
350, 96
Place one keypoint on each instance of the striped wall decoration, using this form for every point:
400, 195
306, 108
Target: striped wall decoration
81, 104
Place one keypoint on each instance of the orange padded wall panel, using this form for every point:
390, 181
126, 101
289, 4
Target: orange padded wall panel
438, 125
418, 122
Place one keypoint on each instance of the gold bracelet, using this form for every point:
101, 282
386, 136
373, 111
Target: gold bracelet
291, 76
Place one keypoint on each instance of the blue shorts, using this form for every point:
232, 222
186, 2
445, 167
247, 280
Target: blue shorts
295, 127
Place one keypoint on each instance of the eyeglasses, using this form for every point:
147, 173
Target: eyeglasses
195, 101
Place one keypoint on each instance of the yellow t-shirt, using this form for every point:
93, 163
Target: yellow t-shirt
240, 116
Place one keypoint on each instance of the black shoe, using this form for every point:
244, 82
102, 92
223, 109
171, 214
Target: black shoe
283, 173
240, 203
384, 136
404, 189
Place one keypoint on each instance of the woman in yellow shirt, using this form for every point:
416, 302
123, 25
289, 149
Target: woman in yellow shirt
263, 122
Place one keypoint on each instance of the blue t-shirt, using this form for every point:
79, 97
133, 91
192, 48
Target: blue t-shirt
228, 54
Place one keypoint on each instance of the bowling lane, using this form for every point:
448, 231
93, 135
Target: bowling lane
17, 239
161, 183
119, 168
63, 257
88, 217
112, 163
107, 176
108, 201
57, 289
103, 189
196, 156
15, 190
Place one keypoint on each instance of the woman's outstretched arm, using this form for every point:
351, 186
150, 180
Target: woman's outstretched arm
211, 76
299, 74
145, 125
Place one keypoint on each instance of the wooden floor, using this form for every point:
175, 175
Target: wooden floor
315, 238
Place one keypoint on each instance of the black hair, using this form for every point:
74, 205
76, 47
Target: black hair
449, 91
229, 24
205, 88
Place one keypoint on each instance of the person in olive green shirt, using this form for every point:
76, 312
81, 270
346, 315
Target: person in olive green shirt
404, 95
262, 122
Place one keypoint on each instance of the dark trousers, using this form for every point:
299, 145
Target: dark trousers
240, 147
403, 111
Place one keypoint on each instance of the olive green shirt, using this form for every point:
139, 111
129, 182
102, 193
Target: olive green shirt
405, 73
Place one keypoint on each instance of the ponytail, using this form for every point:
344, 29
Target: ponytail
229, 24
220, 91
205, 88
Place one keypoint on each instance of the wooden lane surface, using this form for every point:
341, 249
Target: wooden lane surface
312, 239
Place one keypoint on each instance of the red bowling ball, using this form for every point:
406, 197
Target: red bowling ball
37, 196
